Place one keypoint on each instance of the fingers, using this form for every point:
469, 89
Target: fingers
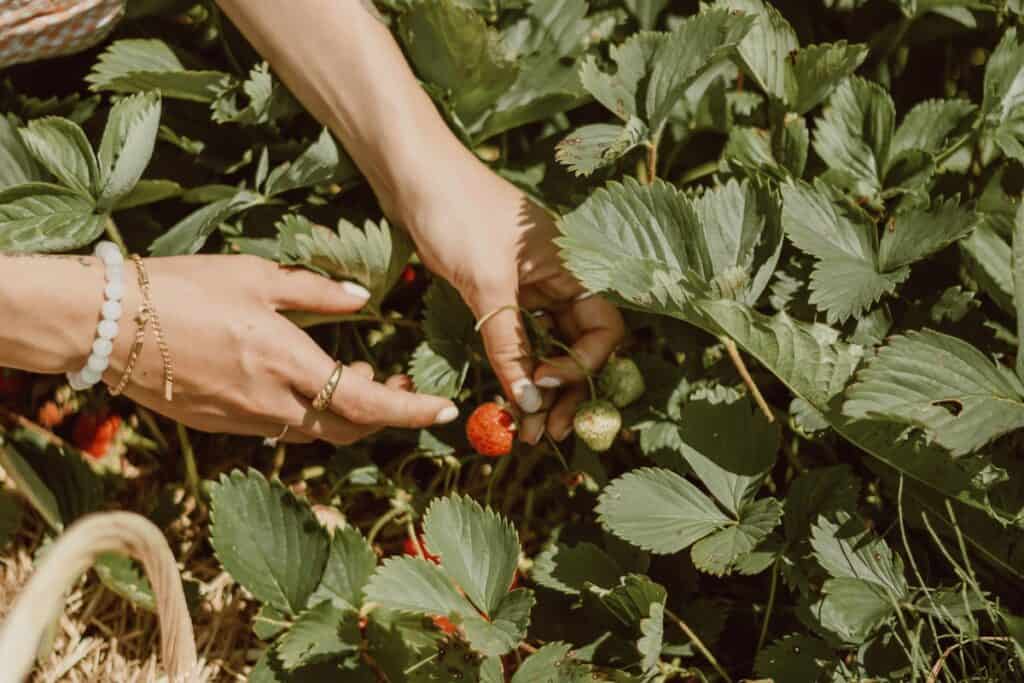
599, 329
508, 349
531, 427
561, 415
297, 289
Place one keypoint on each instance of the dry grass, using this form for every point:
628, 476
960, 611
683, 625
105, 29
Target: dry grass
103, 637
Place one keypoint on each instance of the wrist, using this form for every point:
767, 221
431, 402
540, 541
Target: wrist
51, 306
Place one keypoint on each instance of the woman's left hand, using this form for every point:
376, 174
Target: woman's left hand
496, 247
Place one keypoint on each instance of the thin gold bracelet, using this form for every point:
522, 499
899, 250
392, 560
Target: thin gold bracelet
141, 320
151, 314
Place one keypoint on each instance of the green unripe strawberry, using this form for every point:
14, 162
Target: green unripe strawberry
598, 423
621, 382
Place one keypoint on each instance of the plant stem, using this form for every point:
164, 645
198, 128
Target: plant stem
154, 429
699, 644
652, 162
191, 471
698, 172
937, 669
114, 234
579, 363
391, 514
768, 610
741, 367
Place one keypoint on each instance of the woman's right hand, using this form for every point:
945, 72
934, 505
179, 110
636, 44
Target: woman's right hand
240, 367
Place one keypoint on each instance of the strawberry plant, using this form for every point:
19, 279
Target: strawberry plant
803, 463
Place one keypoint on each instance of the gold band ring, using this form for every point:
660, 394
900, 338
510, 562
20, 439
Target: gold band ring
323, 398
272, 440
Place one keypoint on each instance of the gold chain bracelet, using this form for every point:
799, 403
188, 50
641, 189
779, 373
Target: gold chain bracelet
147, 313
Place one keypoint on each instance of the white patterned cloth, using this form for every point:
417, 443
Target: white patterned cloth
37, 29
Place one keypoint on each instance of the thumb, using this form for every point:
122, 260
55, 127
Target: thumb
297, 289
508, 349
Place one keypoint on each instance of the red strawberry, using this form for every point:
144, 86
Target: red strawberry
50, 415
11, 382
408, 275
491, 430
410, 549
94, 433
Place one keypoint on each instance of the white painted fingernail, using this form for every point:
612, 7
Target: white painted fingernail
549, 382
527, 395
356, 290
447, 414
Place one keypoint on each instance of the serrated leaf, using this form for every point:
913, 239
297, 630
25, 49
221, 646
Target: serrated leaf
138, 65
259, 99
620, 92
988, 259
658, 510
646, 11
414, 585
846, 287
267, 539
716, 553
854, 135
652, 629
730, 446
568, 569
589, 148
929, 124
941, 384
852, 609
652, 242
120, 574
795, 657
1004, 92
41, 217
17, 165
148, 192
453, 48
188, 235
373, 257
818, 69
819, 492
637, 604
552, 663
506, 627
847, 550
323, 161
321, 633
349, 565
61, 147
441, 362
126, 146
919, 233
477, 547
764, 50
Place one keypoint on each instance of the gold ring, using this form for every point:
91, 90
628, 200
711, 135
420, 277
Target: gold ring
323, 398
487, 316
272, 440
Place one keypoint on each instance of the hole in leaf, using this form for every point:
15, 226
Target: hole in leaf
951, 405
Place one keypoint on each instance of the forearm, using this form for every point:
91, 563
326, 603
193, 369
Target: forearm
49, 306
344, 65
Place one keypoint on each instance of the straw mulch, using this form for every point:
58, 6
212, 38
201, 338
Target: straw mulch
103, 637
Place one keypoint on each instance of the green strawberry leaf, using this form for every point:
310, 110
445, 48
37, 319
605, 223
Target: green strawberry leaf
267, 539
847, 550
373, 257
349, 566
29, 485
42, 217
929, 125
506, 627
658, 510
717, 553
852, 609
260, 99
1017, 263
921, 232
189, 234
122, 575
322, 162
61, 147
941, 384
817, 492
1004, 93
127, 146
795, 657
568, 569
17, 165
478, 548
415, 586
441, 362
10, 517
149, 192
324, 632
139, 65
589, 148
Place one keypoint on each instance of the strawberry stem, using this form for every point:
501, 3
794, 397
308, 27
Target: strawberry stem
579, 363
741, 368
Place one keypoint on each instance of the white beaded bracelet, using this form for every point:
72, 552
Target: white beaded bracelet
98, 361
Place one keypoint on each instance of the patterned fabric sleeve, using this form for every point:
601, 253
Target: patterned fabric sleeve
37, 29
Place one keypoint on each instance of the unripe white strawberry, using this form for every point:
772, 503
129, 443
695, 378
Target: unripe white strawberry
621, 382
598, 423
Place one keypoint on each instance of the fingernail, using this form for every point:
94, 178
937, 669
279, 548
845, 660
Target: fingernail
356, 290
527, 395
447, 414
549, 382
